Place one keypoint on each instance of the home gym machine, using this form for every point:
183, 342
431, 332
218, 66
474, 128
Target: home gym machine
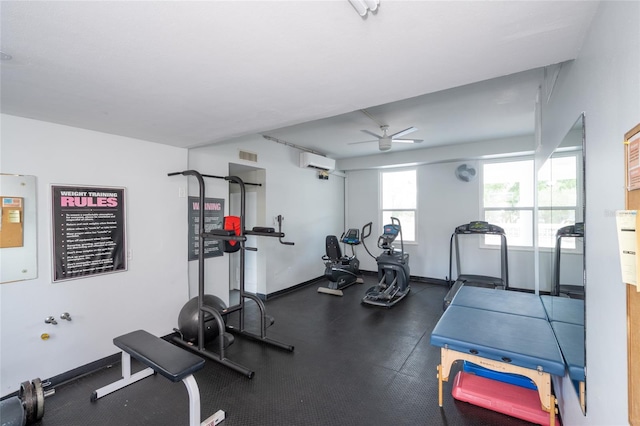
342, 271
393, 268
476, 228
568, 290
213, 317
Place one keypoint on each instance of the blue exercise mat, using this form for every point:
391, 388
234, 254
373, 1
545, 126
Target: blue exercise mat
523, 341
564, 309
511, 302
571, 340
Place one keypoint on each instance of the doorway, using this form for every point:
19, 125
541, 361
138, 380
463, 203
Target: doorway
255, 208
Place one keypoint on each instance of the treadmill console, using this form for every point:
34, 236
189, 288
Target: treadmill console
479, 227
576, 230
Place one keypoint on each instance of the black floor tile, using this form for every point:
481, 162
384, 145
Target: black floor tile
352, 365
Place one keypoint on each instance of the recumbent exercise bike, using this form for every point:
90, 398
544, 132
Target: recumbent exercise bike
342, 271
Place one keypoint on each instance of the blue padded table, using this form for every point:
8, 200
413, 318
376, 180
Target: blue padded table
564, 309
571, 340
502, 342
490, 299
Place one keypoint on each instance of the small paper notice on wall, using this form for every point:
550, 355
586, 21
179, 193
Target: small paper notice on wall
633, 162
626, 223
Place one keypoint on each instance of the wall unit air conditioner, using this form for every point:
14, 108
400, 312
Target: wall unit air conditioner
315, 161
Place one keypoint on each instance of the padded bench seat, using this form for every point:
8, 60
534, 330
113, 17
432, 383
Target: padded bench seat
491, 299
571, 340
564, 309
169, 360
162, 357
523, 341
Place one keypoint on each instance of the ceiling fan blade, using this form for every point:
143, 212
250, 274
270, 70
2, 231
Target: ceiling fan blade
357, 143
371, 133
408, 140
404, 132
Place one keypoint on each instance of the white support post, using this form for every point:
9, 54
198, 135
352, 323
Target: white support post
194, 400
127, 377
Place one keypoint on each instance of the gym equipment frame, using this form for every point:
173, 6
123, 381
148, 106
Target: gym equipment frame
226, 235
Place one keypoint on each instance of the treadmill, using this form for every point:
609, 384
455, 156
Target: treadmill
476, 228
572, 291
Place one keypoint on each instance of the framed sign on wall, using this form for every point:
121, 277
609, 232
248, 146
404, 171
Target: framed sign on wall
88, 225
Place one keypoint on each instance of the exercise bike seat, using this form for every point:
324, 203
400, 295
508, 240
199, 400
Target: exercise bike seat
333, 252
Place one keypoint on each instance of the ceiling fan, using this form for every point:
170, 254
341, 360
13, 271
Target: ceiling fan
385, 140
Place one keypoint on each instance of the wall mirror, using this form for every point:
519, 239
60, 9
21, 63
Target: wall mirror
18, 238
561, 212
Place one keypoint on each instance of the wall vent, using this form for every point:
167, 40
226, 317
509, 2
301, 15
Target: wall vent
248, 156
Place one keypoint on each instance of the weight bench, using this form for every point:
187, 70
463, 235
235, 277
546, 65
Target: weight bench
161, 357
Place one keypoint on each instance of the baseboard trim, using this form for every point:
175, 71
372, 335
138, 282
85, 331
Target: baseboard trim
290, 289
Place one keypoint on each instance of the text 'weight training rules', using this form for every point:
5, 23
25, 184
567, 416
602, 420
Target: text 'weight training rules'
88, 231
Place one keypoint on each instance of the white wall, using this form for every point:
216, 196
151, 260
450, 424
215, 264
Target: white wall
312, 209
444, 202
148, 295
603, 82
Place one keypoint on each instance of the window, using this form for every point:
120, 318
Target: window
557, 198
508, 199
399, 199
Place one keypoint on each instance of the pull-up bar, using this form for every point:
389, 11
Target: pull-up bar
212, 176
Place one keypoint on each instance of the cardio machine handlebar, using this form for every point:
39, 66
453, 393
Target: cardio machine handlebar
366, 230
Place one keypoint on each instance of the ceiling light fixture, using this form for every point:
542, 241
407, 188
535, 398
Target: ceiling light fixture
5, 56
363, 6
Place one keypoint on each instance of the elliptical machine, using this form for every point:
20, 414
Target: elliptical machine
342, 271
393, 268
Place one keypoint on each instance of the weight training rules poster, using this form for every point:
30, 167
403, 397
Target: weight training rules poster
88, 231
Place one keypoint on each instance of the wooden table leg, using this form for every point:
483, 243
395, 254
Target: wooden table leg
440, 385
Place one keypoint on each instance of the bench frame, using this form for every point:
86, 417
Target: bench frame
128, 378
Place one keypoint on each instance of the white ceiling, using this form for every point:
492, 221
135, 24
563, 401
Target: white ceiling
195, 73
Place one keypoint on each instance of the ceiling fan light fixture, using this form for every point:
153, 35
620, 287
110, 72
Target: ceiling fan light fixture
384, 144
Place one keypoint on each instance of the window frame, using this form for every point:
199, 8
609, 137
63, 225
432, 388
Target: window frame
534, 208
577, 208
382, 210
484, 209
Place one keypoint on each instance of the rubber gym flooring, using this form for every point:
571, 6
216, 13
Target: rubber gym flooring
352, 365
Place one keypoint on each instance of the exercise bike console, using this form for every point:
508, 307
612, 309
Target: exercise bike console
351, 237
